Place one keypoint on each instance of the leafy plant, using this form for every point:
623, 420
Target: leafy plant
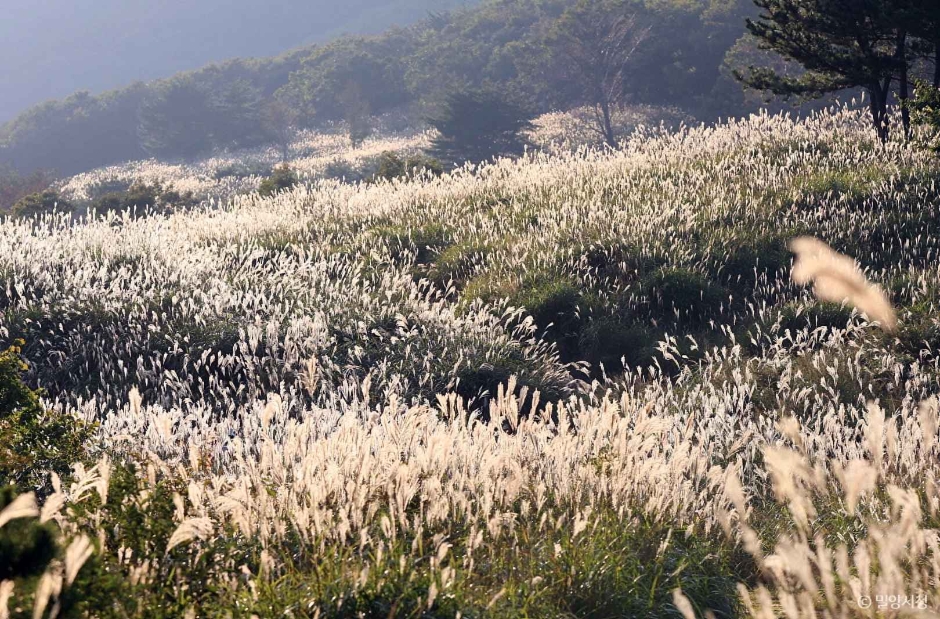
282, 179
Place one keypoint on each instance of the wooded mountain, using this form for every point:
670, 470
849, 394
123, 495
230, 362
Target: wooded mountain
52, 48
527, 50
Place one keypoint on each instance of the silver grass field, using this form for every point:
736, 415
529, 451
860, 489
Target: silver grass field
336, 402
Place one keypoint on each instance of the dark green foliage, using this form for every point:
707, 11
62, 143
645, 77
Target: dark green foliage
15, 186
841, 45
392, 165
918, 334
455, 265
75, 134
555, 303
423, 243
692, 296
619, 262
39, 203
242, 170
185, 117
765, 255
351, 78
925, 109
281, 179
33, 441
478, 126
26, 546
478, 381
142, 197
826, 315
142, 522
609, 342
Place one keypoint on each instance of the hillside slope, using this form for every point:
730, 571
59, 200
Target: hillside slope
388, 398
104, 44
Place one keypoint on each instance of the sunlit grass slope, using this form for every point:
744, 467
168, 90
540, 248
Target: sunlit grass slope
564, 386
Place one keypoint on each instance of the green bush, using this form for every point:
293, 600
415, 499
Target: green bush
612, 343
39, 203
925, 112
392, 165
764, 255
282, 179
619, 262
478, 126
456, 264
828, 315
141, 197
425, 242
26, 546
554, 301
242, 169
692, 295
33, 441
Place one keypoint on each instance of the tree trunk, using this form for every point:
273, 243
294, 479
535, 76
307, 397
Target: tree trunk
903, 86
936, 64
608, 128
878, 104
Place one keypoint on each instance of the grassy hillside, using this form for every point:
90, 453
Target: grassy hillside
387, 399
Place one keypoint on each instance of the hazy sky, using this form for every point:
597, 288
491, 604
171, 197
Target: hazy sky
51, 48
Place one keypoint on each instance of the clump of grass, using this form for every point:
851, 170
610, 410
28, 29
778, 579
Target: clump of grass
677, 294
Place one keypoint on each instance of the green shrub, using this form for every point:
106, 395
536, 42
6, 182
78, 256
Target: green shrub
611, 343
766, 254
554, 301
478, 381
425, 242
695, 298
141, 197
242, 169
281, 179
925, 112
456, 264
26, 546
33, 441
829, 315
39, 203
918, 334
619, 261
477, 126
392, 165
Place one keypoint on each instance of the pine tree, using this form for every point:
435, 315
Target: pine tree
478, 126
842, 44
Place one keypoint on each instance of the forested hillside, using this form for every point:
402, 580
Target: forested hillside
53, 48
515, 46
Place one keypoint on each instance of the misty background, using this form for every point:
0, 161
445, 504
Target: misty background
52, 48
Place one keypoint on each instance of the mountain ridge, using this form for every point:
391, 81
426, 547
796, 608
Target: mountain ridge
107, 44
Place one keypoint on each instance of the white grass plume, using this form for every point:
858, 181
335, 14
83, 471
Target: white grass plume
839, 279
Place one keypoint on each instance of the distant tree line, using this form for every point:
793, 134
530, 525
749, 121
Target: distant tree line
668, 52
531, 55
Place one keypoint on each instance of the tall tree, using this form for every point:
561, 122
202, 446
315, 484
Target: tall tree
842, 44
925, 25
597, 41
477, 126
175, 120
279, 121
